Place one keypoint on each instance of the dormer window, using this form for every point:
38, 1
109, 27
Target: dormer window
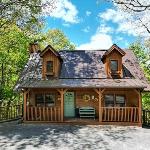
49, 67
51, 63
112, 59
114, 66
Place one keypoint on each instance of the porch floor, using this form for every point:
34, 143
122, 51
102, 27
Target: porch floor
82, 120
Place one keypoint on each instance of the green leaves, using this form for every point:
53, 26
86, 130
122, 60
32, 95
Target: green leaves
143, 55
13, 56
57, 39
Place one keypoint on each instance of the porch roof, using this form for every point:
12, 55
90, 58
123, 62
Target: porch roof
86, 83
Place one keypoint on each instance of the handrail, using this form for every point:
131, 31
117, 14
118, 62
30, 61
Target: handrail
120, 114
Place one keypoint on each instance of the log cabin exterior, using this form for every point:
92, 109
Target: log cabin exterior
105, 84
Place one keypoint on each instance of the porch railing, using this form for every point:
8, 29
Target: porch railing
120, 114
10, 112
146, 117
51, 114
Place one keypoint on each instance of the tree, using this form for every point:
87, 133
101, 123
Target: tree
13, 55
136, 11
26, 14
57, 39
134, 5
143, 55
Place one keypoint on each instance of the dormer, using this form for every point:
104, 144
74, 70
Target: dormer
113, 61
51, 63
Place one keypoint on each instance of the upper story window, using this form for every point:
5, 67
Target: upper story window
49, 67
114, 65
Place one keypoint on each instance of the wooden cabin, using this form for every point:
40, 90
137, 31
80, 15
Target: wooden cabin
82, 86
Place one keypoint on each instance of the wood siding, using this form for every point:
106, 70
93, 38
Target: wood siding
49, 56
130, 113
114, 55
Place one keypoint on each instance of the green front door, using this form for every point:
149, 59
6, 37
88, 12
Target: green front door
69, 110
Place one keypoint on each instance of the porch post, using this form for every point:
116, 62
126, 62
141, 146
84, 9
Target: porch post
140, 108
100, 106
100, 92
62, 105
62, 92
24, 105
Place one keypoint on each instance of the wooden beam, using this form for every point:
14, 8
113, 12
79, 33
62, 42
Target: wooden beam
137, 91
140, 105
140, 108
96, 90
24, 105
100, 105
100, 93
62, 92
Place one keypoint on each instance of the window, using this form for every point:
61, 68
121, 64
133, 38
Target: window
39, 99
47, 99
114, 100
114, 65
49, 66
109, 100
50, 99
120, 100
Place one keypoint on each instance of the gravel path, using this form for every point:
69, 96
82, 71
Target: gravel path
15, 136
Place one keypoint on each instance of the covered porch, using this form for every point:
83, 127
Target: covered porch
112, 106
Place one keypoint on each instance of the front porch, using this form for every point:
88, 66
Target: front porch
109, 114
129, 114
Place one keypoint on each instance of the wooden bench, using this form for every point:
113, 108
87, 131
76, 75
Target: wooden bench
87, 112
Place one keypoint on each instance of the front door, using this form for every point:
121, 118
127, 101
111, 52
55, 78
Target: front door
69, 109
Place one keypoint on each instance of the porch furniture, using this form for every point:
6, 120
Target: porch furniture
87, 112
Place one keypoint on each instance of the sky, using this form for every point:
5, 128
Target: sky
91, 24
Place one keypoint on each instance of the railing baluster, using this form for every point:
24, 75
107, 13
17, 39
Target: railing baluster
40, 113
115, 119
35, 108
55, 112
112, 113
122, 113
32, 113
125, 114
51, 110
131, 119
44, 114
47, 114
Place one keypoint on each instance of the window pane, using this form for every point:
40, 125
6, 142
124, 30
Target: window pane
39, 98
49, 67
120, 100
50, 99
109, 100
114, 65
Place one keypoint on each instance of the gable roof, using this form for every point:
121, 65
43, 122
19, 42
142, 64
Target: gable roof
50, 48
82, 66
113, 47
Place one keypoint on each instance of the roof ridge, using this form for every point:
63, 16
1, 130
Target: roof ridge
80, 50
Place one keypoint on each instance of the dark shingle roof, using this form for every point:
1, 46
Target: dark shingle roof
83, 67
88, 83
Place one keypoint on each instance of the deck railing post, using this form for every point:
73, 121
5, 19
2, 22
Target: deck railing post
143, 116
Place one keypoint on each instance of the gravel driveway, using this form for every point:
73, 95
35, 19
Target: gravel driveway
15, 136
